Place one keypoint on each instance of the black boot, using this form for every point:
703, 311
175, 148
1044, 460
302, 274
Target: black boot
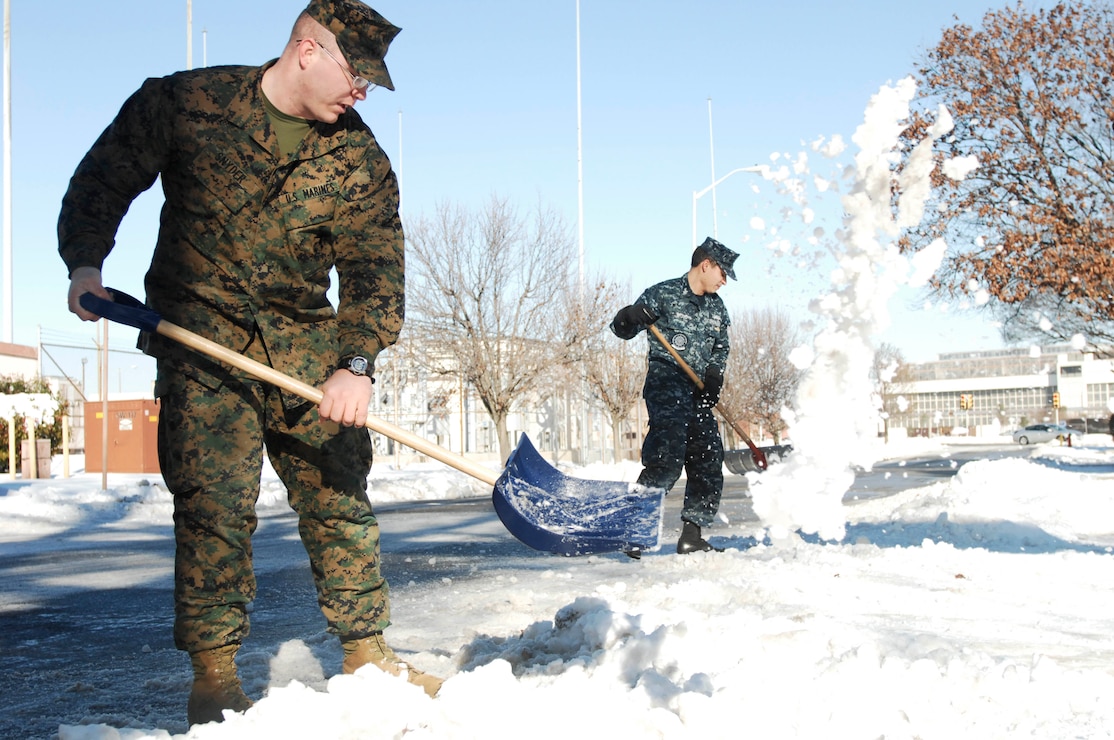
691, 541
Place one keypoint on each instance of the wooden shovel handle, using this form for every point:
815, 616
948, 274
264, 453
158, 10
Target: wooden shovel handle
125, 309
310, 393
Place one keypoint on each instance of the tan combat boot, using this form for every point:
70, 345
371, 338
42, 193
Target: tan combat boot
373, 649
216, 686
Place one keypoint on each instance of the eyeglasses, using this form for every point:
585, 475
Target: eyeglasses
718, 266
359, 84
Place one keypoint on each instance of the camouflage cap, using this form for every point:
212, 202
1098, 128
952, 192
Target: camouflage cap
362, 35
723, 256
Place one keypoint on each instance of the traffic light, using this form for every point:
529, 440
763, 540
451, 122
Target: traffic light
966, 401
1056, 399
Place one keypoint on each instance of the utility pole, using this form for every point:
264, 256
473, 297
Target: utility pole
712, 152
585, 433
9, 282
189, 34
580, 152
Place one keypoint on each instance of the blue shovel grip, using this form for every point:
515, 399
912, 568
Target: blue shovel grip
124, 310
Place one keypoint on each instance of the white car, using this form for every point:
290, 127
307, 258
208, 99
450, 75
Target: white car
1037, 433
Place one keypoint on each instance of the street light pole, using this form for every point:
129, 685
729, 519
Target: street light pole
696, 195
585, 417
9, 282
579, 160
189, 34
712, 152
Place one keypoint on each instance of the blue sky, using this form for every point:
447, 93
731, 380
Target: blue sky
486, 105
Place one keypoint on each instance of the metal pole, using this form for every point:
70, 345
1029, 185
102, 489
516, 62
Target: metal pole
9, 301
394, 405
579, 151
104, 407
584, 433
712, 151
189, 34
694, 197
697, 194
460, 391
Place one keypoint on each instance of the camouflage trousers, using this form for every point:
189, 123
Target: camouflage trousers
683, 435
211, 443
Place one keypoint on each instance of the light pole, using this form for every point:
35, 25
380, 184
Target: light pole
579, 159
189, 34
696, 195
585, 434
712, 152
9, 282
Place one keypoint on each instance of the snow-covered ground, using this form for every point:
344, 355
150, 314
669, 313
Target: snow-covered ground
976, 607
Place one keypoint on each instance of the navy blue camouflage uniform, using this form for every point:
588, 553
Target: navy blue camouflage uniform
683, 431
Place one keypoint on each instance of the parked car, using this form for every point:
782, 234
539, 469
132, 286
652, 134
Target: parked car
1037, 433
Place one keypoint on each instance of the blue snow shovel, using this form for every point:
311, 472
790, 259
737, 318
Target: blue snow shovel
542, 507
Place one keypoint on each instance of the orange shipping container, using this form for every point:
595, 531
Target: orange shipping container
132, 436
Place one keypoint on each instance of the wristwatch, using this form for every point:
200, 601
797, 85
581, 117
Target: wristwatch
354, 364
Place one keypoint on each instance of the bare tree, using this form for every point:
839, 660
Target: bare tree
889, 373
613, 369
760, 380
483, 287
1031, 227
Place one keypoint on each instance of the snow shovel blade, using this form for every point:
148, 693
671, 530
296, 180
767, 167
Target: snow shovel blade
540, 506
550, 511
740, 462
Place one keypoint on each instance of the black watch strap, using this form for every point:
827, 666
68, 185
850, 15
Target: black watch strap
355, 364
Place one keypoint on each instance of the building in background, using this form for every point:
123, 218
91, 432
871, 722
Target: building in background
988, 393
20, 360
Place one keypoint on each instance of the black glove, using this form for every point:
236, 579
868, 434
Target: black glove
638, 315
713, 384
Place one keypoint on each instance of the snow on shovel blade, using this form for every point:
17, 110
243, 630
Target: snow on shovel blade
550, 511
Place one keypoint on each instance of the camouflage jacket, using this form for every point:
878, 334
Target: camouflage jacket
247, 236
696, 326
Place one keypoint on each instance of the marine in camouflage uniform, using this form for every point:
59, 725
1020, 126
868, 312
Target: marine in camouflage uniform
683, 431
263, 199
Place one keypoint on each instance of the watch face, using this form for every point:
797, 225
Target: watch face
358, 365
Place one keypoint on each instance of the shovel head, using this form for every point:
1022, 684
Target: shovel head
740, 462
550, 511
